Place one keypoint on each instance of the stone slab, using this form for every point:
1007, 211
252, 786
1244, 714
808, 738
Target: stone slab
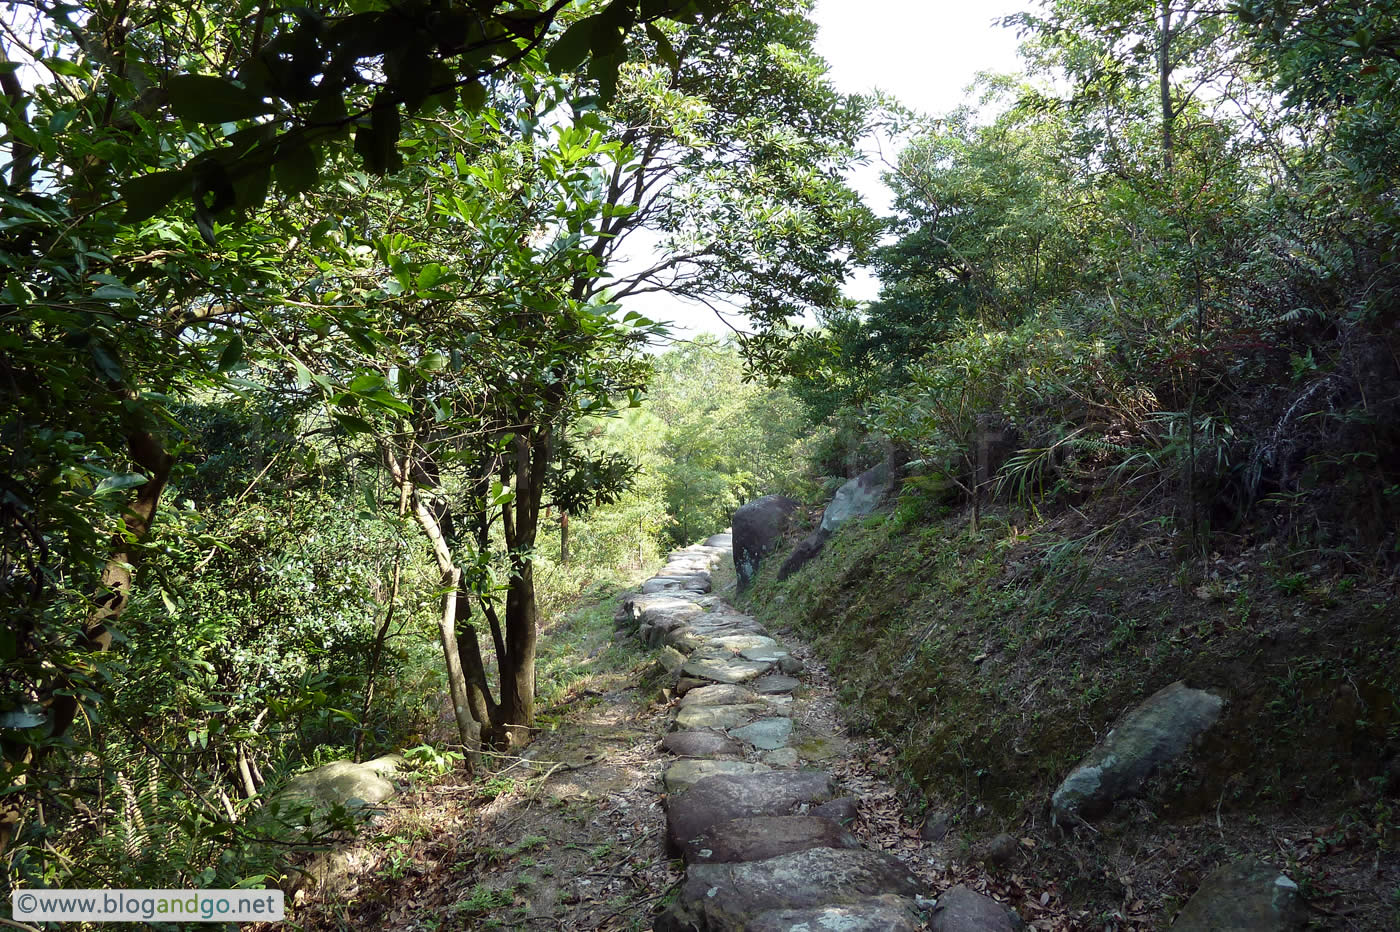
766, 734
720, 799
726, 671
701, 742
870, 914
685, 774
692, 717
760, 837
720, 694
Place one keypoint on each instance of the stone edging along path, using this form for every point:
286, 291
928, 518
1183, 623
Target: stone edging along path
764, 839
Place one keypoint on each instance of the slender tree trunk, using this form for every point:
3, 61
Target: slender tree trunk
564, 538
467, 729
1164, 84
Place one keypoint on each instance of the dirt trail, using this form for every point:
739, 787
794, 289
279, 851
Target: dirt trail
572, 835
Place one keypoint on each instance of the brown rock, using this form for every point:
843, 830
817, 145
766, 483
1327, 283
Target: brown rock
996, 851
962, 910
843, 811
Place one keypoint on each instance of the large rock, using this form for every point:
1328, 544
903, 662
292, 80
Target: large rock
760, 837
766, 734
857, 498
887, 913
720, 799
1246, 896
345, 783
727, 896
963, 910
758, 526
1156, 731
721, 694
725, 670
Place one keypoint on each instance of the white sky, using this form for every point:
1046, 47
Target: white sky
923, 52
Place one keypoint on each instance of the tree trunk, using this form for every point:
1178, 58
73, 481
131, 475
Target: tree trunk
563, 538
467, 729
1164, 76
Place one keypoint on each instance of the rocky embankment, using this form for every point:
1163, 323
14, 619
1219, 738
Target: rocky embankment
763, 835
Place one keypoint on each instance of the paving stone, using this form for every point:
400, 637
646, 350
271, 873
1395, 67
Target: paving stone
963, 910
719, 799
766, 734
726, 896
692, 717
775, 683
887, 913
759, 837
702, 743
720, 694
684, 774
744, 642
726, 671
782, 757
842, 811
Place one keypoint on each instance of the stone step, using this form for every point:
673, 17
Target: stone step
767, 850
727, 896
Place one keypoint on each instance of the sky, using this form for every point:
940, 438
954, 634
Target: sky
925, 53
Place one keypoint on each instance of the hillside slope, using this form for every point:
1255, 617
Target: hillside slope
996, 659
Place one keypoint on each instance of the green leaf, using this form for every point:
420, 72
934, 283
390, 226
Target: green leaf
118, 483
145, 195
663, 45
114, 293
205, 98
298, 169
233, 352
473, 96
356, 425
303, 375
433, 362
571, 48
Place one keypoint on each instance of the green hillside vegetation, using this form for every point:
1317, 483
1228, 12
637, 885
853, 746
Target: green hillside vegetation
324, 402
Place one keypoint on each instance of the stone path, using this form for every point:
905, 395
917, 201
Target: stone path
763, 837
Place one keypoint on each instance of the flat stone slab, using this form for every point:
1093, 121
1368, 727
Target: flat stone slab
760, 837
720, 799
726, 896
693, 717
720, 694
1246, 896
745, 642
726, 671
766, 734
701, 742
887, 913
775, 683
764, 654
684, 774
964, 910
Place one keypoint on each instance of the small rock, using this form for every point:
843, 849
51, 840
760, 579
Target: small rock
935, 827
790, 665
842, 811
996, 851
781, 757
964, 910
1246, 896
686, 683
